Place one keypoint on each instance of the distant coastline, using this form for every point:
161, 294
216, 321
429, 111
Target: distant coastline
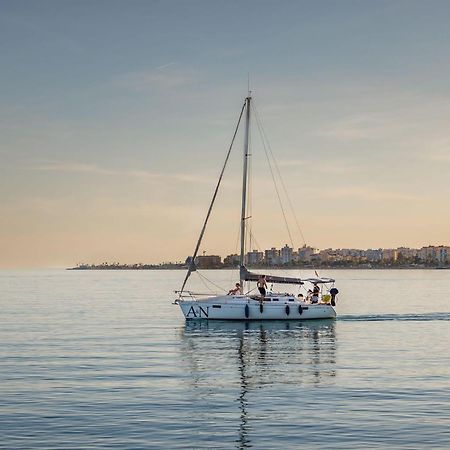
176, 266
429, 257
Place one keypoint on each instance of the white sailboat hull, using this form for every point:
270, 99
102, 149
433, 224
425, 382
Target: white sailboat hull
246, 308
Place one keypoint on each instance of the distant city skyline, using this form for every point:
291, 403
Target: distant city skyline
116, 116
286, 255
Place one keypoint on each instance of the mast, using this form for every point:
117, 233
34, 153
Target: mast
244, 185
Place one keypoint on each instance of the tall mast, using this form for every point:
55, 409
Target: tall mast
244, 184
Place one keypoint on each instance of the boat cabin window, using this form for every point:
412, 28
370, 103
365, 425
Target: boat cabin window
291, 300
217, 306
274, 299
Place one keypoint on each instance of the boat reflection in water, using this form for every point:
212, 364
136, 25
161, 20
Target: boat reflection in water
248, 360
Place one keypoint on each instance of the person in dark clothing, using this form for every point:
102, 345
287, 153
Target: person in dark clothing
333, 293
315, 294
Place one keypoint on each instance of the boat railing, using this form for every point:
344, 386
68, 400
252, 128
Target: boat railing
189, 295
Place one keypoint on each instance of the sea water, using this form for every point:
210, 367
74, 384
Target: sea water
102, 359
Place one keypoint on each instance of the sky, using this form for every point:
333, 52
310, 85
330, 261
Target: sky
115, 118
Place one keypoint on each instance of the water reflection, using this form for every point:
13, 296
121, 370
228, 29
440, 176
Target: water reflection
246, 356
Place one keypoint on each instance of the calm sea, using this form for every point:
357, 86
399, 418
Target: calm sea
93, 359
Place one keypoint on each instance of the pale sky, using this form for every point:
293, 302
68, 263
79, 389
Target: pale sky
115, 118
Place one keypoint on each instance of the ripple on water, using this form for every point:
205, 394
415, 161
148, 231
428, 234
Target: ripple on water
98, 361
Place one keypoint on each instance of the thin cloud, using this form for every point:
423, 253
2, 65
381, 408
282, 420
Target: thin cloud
440, 157
357, 128
322, 166
337, 167
158, 78
56, 166
165, 66
367, 194
75, 167
292, 163
438, 151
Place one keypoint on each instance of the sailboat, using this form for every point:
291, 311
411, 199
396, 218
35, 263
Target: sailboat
242, 305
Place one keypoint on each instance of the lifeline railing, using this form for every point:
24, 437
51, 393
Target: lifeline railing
191, 295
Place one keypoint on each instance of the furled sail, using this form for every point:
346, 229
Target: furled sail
192, 267
246, 275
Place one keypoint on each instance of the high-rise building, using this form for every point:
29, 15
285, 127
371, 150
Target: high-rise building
306, 254
389, 254
254, 257
374, 255
272, 256
286, 255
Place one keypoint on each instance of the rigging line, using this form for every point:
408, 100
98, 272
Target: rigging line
236, 245
274, 182
256, 242
250, 192
204, 283
214, 284
286, 193
235, 251
281, 178
192, 263
238, 234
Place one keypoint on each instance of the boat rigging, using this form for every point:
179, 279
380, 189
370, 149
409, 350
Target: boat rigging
273, 306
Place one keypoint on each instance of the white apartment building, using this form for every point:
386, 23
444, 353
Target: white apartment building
286, 254
406, 252
272, 256
439, 254
389, 254
254, 257
306, 254
374, 254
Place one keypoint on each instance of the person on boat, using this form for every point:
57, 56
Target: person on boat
333, 293
300, 297
235, 290
262, 285
315, 294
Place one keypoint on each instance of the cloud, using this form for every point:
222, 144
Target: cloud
76, 167
337, 168
158, 78
442, 157
165, 66
366, 194
437, 150
321, 166
58, 166
359, 127
292, 163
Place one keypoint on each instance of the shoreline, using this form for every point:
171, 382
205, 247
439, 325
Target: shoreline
362, 267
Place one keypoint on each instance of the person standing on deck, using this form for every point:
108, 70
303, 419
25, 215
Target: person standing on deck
262, 285
333, 293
